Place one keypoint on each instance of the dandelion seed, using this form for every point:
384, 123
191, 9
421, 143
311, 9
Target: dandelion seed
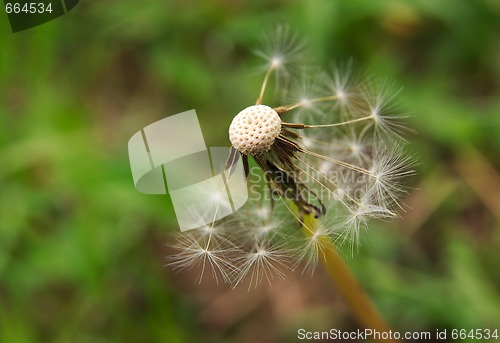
283, 51
265, 261
264, 221
389, 167
313, 247
379, 107
206, 254
342, 81
305, 96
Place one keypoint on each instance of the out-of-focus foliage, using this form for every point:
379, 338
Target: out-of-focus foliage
81, 252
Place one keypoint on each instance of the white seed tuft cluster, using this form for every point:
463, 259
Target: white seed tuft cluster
350, 172
253, 130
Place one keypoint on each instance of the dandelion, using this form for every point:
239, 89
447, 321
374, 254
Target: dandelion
330, 158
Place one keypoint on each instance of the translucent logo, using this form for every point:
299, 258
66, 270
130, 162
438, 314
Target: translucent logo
170, 156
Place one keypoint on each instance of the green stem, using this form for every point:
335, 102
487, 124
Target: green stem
353, 293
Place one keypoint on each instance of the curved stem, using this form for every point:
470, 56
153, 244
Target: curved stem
264, 84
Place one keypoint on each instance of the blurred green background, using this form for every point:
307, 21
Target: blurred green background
82, 253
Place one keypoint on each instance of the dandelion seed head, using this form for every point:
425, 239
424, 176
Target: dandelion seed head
313, 247
254, 130
308, 142
281, 48
305, 102
263, 222
340, 94
276, 61
342, 81
325, 167
262, 212
207, 230
207, 256
355, 148
340, 193
265, 261
303, 92
266, 228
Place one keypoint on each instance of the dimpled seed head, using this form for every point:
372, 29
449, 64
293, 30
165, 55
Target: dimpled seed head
253, 130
